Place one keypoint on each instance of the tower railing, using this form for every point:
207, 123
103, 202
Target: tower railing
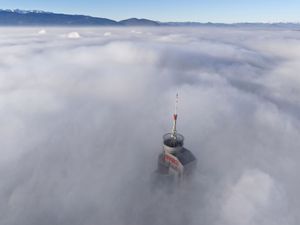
173, 141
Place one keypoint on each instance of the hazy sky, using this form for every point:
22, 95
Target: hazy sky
172, 10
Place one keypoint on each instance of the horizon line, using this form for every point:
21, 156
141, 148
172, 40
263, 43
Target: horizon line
155, 20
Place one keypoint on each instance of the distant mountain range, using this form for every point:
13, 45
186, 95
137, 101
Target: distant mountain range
35, 18
41, 18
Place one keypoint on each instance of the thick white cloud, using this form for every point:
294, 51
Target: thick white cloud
254, 199
73, 35
42, 31
107, 33
81, 125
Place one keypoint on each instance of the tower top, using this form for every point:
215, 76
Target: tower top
173, 140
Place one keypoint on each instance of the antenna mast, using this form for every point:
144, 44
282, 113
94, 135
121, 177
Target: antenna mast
174, 131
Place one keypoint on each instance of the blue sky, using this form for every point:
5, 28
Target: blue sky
172, 10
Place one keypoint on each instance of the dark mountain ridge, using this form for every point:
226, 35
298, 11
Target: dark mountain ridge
138, 22
19, 17
35, 17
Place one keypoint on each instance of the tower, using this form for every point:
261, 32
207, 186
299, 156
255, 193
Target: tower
175, 162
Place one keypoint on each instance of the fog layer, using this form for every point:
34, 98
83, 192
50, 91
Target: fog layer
82, 112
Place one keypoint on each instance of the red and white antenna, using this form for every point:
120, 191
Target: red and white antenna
174, 131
